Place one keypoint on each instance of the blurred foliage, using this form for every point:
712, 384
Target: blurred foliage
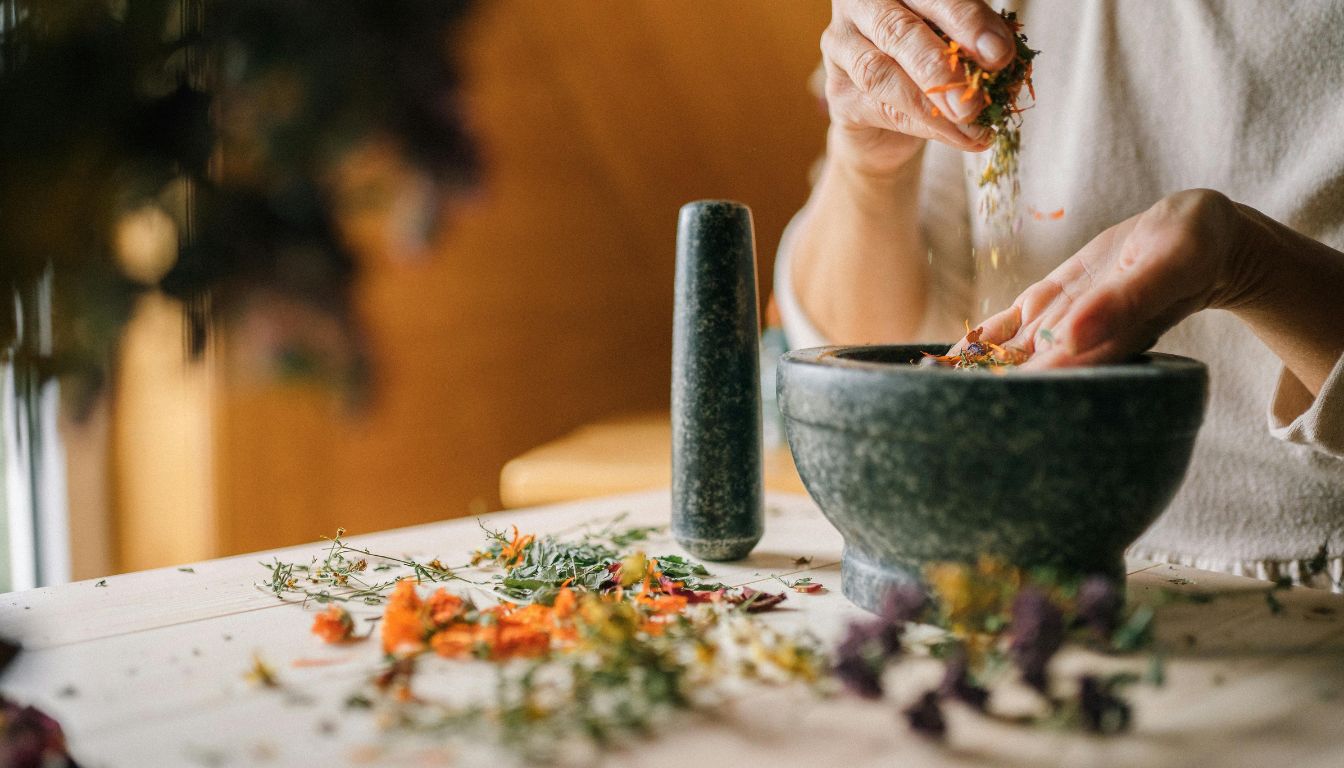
200, 147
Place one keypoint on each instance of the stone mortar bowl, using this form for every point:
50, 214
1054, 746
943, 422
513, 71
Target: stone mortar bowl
919, 464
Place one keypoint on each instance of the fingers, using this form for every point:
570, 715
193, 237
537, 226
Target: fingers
868, 88
997, 329
1156, 276
973, 24
906, 39
1003, 326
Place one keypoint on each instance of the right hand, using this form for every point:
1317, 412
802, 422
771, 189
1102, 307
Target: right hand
881, 59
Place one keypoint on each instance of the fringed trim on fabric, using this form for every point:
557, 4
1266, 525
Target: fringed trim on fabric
1330, 577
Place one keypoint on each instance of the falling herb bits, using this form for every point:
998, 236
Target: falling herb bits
999, 92
999, 95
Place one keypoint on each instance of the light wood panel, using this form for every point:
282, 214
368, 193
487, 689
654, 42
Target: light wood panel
549, 302
162, 446
617, 455
148, 670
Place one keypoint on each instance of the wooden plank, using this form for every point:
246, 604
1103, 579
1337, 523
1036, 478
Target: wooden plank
148, 671
136, 602
616, 455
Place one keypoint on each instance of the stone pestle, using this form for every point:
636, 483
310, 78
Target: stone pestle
717, 502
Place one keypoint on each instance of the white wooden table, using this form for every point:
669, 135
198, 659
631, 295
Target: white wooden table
149, 670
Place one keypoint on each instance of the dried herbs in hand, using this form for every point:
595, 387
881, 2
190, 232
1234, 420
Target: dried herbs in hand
975, 352
999, 91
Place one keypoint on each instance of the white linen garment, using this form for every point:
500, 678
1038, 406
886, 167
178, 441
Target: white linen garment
1139, 99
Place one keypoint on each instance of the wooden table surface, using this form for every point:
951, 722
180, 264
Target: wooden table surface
621, 454
148, 670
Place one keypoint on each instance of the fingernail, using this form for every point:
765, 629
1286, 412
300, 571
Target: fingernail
977, 133
993, 46
958, 109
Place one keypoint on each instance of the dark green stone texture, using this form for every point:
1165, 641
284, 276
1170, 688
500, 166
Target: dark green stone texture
918, 464
717, 511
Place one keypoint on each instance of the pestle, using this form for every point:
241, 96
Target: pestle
717, 511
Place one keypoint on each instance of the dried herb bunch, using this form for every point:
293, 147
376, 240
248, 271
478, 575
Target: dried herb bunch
999, 92
206, 148
1000, 619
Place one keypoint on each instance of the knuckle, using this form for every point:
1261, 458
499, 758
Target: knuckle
968, 17
896, 119
1185, 220
926, 64
870, 70
1131, 255
895, 28
829, 40
1208, 204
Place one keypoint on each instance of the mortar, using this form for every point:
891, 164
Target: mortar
918, 464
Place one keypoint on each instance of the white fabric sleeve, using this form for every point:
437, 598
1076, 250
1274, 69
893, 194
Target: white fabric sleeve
799, 331
1297, 417
945, 218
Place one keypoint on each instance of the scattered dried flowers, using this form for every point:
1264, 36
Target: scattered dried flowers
586, 635
614, 681
334, 625
999, 618
262, 674
977, 353
29, 738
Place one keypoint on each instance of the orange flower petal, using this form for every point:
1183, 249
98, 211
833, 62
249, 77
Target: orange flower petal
333, 625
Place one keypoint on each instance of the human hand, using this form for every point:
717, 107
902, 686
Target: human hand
882, 59
1120, 292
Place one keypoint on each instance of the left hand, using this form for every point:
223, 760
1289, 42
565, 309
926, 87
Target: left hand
1131, 283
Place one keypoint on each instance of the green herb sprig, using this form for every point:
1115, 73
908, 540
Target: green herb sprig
340, 574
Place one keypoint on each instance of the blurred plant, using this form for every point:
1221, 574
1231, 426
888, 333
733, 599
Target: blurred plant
29, 738
999, 618
224, 151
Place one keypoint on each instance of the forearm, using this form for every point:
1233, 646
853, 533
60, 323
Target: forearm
859, 263
1296, 304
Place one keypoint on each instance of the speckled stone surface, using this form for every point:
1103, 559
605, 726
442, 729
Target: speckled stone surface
717, 503
916, 464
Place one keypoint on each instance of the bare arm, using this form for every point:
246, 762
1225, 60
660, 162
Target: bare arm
858, 263
859, 267
1296, 305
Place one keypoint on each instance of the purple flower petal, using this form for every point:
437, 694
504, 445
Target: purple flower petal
926, 716
1037, 631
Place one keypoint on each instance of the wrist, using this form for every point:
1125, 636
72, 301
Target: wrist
1247, 282
1290, 296
867, 187
873, 157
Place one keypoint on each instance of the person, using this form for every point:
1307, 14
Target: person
1197, 153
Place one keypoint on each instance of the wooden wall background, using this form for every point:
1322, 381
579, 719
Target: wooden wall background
549, 302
